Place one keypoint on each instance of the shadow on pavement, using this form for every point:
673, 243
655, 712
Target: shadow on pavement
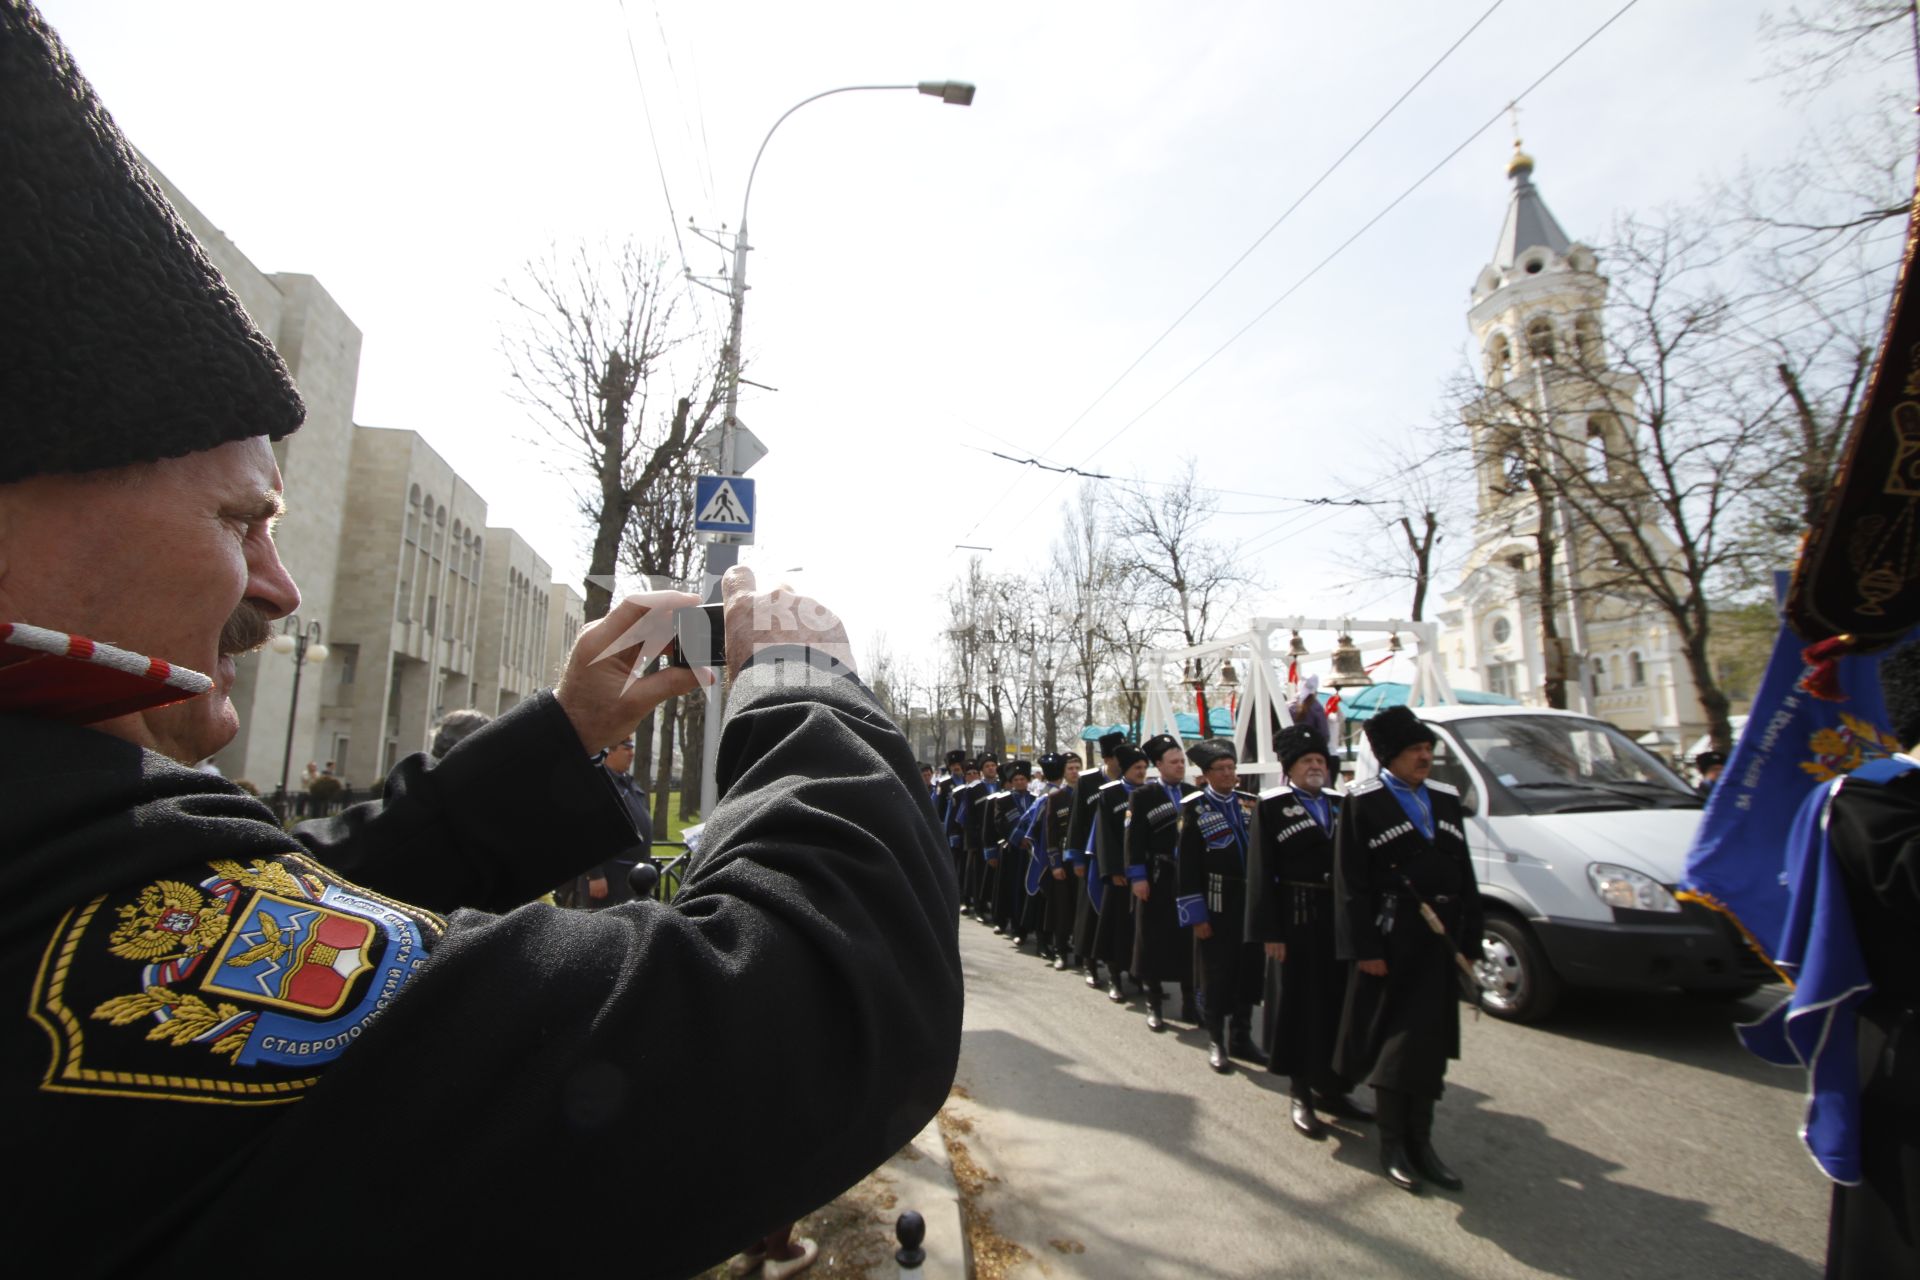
1555, 1207
1030, 1079
1674, 1027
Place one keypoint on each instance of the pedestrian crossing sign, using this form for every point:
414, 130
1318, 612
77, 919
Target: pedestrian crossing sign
724, 504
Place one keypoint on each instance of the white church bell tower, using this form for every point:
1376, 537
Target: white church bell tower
1536, 313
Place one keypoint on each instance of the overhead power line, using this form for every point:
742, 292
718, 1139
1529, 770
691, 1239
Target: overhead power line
1364, 227
1259, 240
646, 110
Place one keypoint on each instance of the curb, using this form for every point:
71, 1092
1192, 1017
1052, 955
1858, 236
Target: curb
922, 1177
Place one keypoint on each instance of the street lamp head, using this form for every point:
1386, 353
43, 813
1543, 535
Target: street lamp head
317, 653
957, 92
282, 643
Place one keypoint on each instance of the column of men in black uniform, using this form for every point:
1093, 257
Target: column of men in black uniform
1298, 899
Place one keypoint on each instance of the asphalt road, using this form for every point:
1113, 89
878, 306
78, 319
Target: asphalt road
1629, 1136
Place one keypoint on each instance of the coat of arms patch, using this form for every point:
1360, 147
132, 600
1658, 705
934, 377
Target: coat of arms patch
266, 972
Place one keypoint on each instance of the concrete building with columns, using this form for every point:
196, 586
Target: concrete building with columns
1537, 315
422, 607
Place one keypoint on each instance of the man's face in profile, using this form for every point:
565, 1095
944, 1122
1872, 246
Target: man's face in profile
171, 559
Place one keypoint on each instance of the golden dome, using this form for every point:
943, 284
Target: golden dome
1521, 164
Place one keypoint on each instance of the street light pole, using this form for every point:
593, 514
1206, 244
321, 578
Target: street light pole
303, 642
723, 555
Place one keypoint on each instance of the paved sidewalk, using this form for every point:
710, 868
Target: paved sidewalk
856, 1231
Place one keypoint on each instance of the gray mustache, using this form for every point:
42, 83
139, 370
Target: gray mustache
246, 630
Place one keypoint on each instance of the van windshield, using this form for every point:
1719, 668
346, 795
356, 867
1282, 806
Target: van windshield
1556, 764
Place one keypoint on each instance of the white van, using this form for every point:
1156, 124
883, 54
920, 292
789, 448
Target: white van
1579, 836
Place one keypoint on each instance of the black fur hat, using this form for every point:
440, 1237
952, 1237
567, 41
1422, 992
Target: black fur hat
1205, 755
1298, 740
1900, 684
1016, 769
1110, 743
1128, 756
1392, 731
123, 343
957, 756
1053, 766
1158, 745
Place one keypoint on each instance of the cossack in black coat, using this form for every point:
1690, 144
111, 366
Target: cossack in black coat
1162, 950
1290, 900
1212, 883
1875, 834
1113, 931
1398, 1031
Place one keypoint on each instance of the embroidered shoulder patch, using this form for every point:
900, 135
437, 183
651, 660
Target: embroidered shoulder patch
237, 988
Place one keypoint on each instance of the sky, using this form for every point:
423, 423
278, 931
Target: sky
931, 283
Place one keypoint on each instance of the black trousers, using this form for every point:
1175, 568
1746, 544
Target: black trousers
1059, 897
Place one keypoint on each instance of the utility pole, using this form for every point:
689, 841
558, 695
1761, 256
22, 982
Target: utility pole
722, 552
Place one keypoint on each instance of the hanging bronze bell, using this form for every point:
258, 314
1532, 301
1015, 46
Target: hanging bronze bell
1296, 647
1393, 643
1349, 671
1229, 678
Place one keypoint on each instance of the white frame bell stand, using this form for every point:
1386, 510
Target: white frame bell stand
1252, 652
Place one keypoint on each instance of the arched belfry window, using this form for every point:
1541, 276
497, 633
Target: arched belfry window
1586, 341
1540, 340
1499, 359
1598, 466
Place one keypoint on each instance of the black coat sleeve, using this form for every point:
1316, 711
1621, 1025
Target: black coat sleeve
549, 813
1354, 932
785, 1026
1263, 908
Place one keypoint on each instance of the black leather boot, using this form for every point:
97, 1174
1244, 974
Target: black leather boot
1116, 991
1344, 1105
1093, 975
1060, 962
1189, 1010
1217, 1056
1306, 1122
1420, 1146
1155, 1022
1390, 1108
1240, 1039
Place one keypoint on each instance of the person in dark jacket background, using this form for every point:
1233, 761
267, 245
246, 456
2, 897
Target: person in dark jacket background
1402, 842
1290, 911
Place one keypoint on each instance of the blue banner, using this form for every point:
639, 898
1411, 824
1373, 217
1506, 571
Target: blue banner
1792, 743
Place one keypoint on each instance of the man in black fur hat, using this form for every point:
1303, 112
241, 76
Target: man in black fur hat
1162, 950
1049, 878
203, 996
1215, 824
1081, 854
1107, 880
1290, 913
1401, 842
1006, 811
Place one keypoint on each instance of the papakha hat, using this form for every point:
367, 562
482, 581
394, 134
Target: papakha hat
1204, 755
123, 342
1392, 731
1298, 740
1158, 745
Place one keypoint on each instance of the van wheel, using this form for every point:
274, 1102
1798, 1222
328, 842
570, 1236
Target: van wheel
1520, 985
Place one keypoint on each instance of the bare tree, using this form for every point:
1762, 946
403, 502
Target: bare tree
660, 547
1191, 578
596, 330
1083, 568
1656, 442
1415, 495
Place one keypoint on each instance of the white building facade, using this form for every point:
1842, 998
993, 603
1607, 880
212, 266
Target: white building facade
1536, 316
395, 562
